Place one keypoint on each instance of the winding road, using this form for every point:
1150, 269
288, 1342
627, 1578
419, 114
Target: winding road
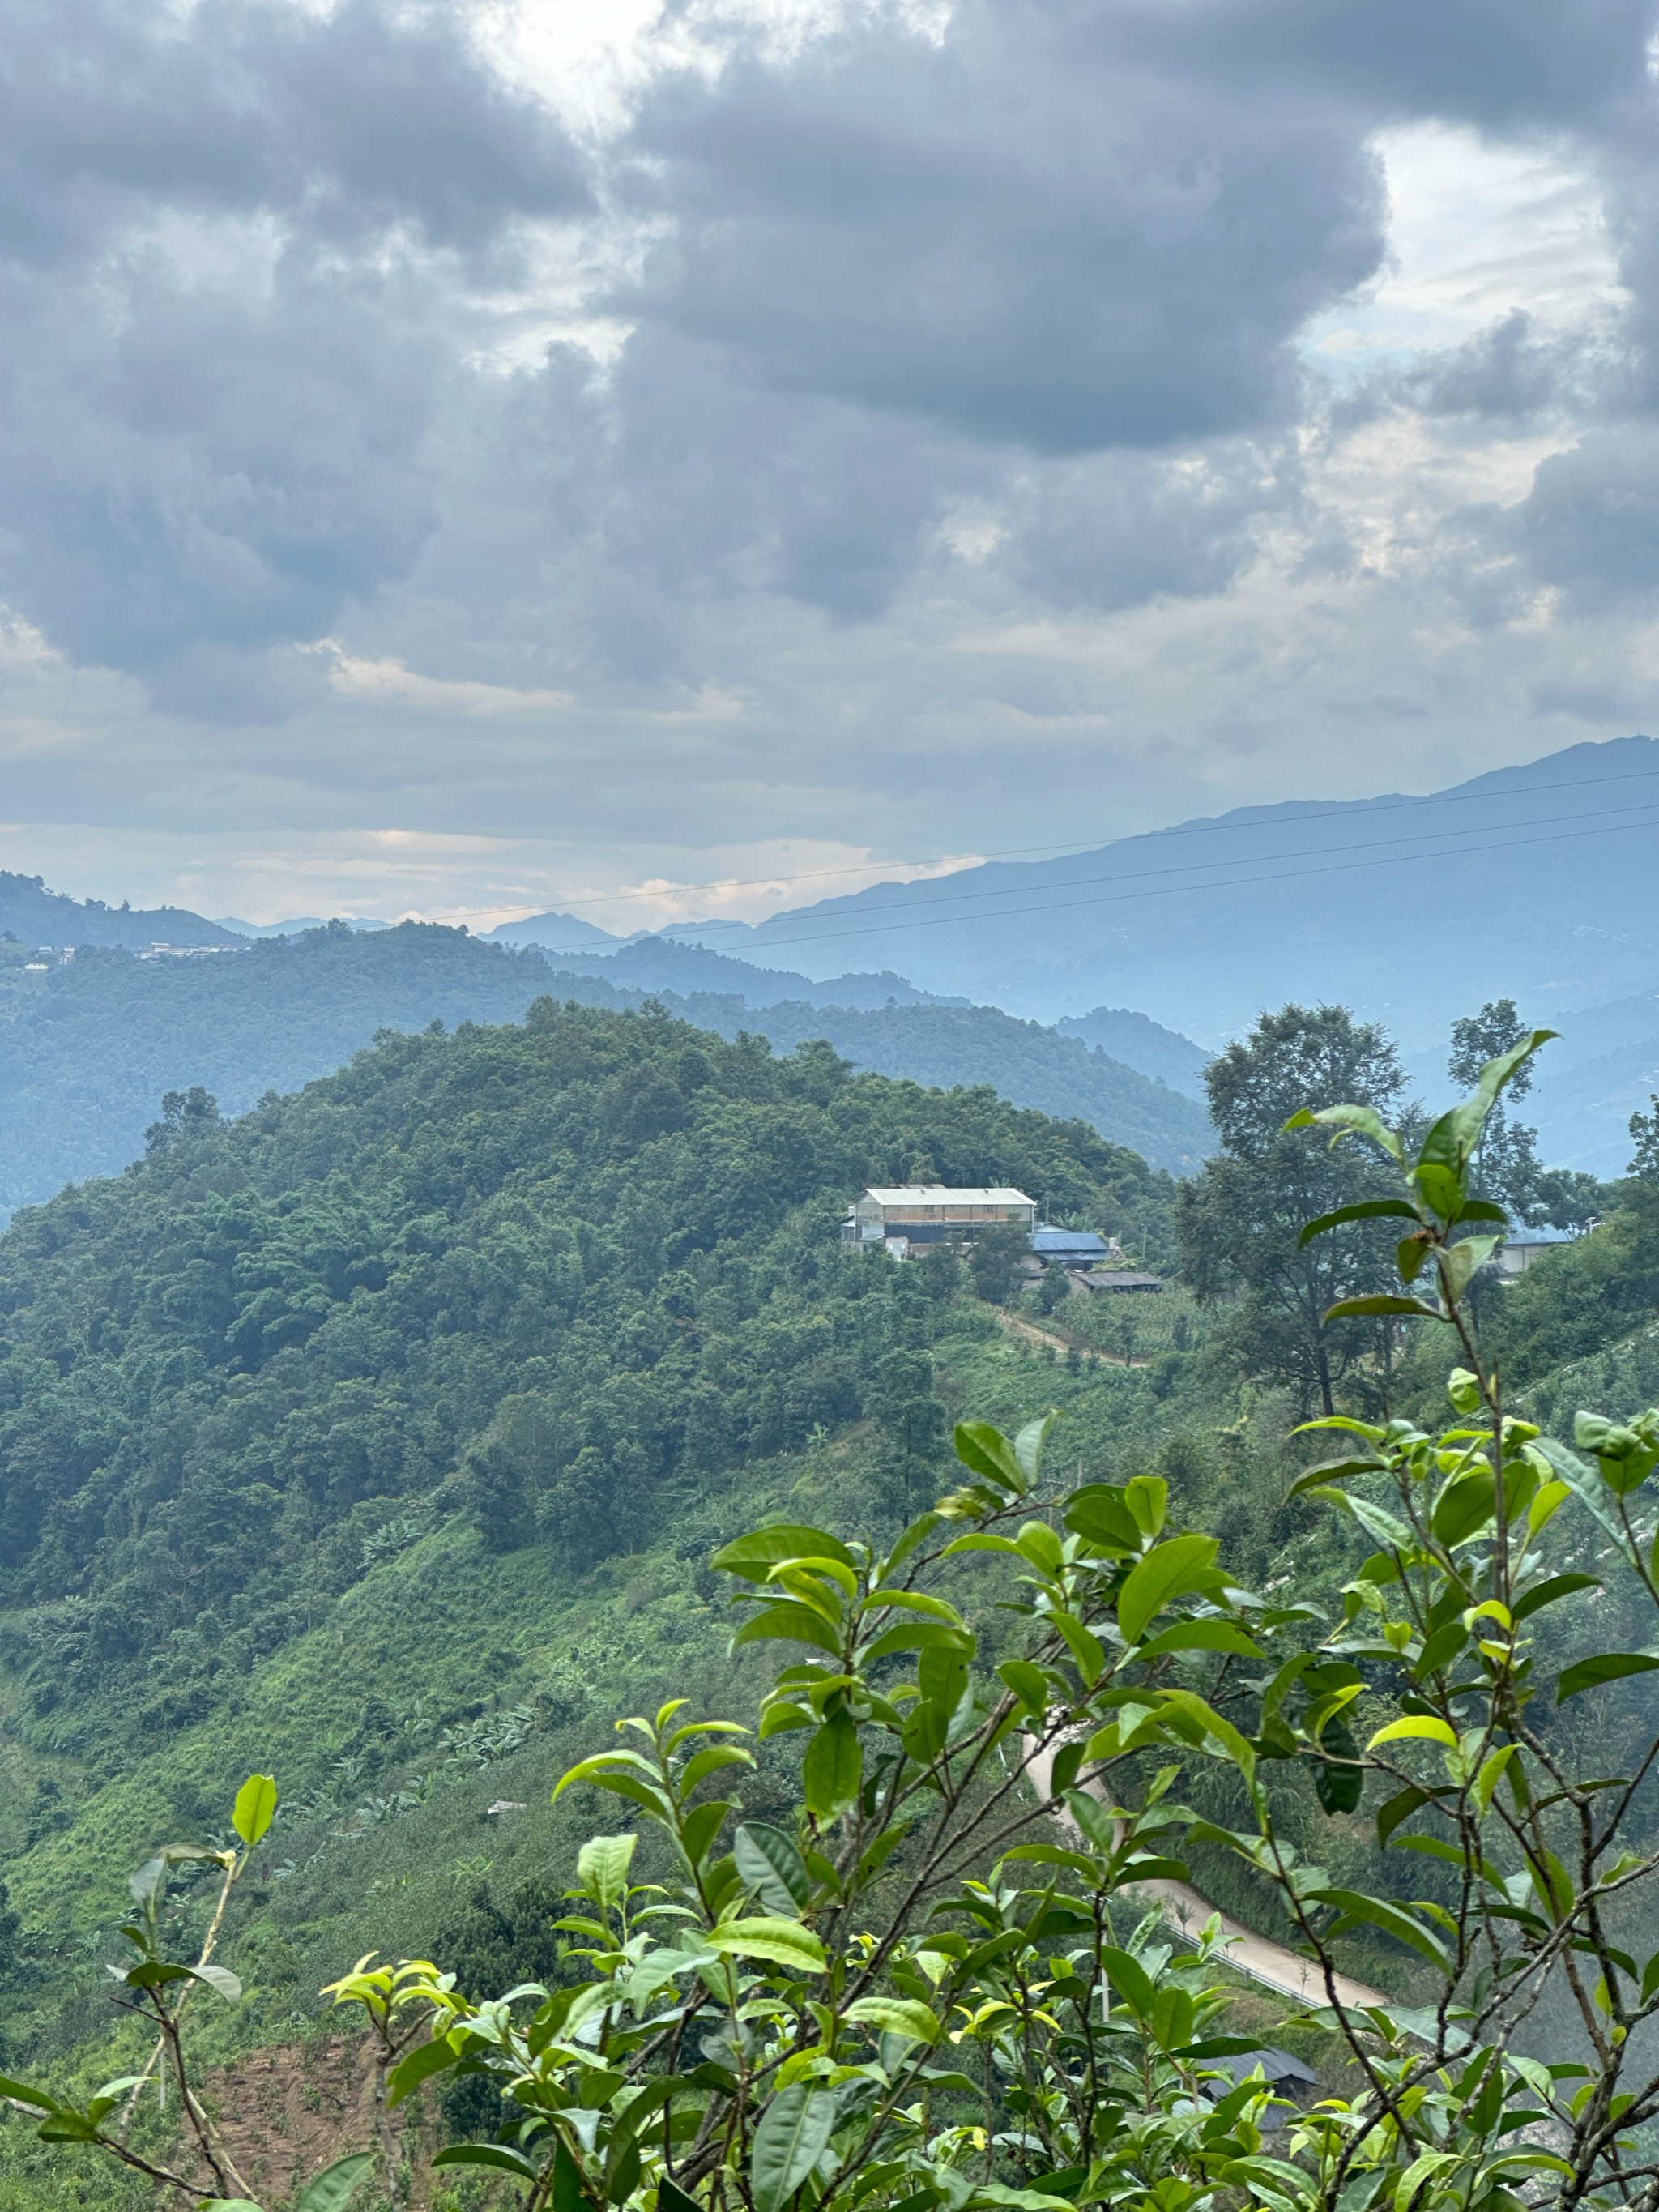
1264, 1961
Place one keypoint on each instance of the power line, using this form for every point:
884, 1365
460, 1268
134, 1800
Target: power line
1314, 853
1195, 867
1169, 890
1073, 844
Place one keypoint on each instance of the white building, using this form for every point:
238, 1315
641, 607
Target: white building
903, 1215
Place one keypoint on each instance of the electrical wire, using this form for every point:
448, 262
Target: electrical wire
1073, 844
1169, 890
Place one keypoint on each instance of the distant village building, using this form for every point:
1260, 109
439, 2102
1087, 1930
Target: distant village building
1516, 1254
1072, 1248
898, 1216
187, 951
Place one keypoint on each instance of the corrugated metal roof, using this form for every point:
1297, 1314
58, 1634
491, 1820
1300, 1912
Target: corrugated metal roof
1069, 1240
940, 1194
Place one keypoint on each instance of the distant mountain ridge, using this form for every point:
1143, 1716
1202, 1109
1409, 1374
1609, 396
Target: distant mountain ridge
85, 1058
34, 915
1528, 882
1139, 1041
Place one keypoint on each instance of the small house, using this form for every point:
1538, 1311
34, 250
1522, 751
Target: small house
1070, 1248
1519, 1252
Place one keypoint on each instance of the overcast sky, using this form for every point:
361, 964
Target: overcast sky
459, 459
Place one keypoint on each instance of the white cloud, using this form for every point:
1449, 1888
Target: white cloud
1478, 229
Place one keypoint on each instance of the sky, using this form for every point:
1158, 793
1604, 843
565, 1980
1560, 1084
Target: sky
660, 461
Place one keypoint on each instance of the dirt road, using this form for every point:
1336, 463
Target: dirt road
1017, 1325
1255, 1955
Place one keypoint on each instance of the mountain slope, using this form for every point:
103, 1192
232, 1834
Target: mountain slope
663, 963
1140, 1043
948, 1046
88, 1051
1533, 874
34, 915
350, 1437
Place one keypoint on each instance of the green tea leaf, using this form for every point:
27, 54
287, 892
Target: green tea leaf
987, 1452
602, 1866
1426, 1726
1168, 1572
906, 2016
833, 1768
781, 1943
330, 2190
794, 2130
754, 1555
1606, 1667
1200, 1636
494, 2155
772, 1866
1099, 1513
417, 2066
1130, 1979
254, 1810
1546, 1593
1369, 1209
1346, 1308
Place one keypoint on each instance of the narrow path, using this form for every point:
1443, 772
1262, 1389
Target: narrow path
1017, 1325
1255, 1955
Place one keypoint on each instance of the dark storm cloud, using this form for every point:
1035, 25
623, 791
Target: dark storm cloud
1109, 530
1590, 525
196, 466
1503, 65
348, 122
1019, 234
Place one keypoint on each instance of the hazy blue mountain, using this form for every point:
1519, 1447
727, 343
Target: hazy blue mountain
86, 1056
552, 933
1139, 1041
296, 925
34, 915
667, 964
947, 1046
1526, 882
1603, 1068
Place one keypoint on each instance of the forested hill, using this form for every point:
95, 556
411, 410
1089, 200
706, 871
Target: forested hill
555, 1277
88, 1050
36, 917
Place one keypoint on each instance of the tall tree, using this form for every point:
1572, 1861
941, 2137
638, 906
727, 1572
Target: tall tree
1239, 1221
1506, 1168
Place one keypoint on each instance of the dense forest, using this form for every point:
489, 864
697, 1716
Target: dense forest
88, 1048
383, 1437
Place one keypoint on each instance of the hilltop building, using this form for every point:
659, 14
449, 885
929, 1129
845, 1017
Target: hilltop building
903, 1217
906, 1214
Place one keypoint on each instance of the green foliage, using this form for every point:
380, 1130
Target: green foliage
465, 1274
88, 1049
1239, 1220
885, 1939
1506, 1166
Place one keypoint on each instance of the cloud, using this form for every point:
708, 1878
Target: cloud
1020, 233
227, 321
856, 423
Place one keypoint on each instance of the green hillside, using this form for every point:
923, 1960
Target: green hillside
383, 1438
88, 1050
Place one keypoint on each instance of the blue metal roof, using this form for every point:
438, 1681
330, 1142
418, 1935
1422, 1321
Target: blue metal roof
1083, 1244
